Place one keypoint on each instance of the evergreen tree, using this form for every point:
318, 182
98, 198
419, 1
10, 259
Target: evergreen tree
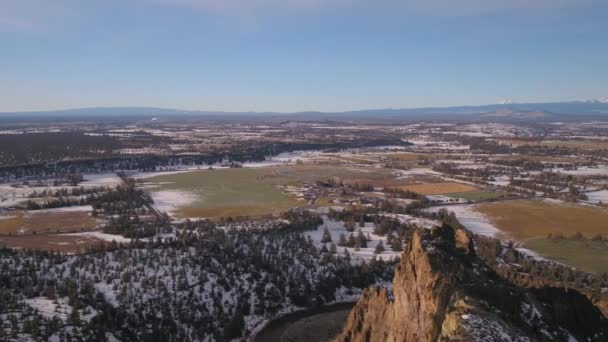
326, 236
379, 247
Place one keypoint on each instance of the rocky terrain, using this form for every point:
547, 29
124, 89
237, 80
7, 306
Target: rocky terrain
443, 292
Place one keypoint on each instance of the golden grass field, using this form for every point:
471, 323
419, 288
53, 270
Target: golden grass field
59, 243
439, 188
527, 219
46, 222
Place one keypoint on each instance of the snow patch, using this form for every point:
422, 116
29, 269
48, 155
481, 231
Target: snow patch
171, 200
102, 236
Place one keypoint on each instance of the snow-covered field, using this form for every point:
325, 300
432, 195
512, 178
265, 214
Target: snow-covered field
79, 208
171, 200
101, 179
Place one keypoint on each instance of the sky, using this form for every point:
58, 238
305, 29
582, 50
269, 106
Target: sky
299, 55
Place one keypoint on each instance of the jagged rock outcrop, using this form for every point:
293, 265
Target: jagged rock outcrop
443, 292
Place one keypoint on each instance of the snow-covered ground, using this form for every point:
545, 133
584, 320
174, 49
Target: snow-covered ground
79, 208
102, 236
416, 221
471, 219
404, 174
51, 308
445, 199
500, 181
583, 171
336, 228
597, 196
11, 196
171, 200
101, 179
168, 171
59, 308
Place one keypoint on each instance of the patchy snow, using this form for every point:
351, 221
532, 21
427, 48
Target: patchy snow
472, 219
171, 200
50, 308
583, 171
7, 217
530, 253
597, 196
445, 199
111, 338
417, 172
78, 208
336, 228
102, 236
417, 221
100, 179
485, 329
144, 175
501, 181
108, 293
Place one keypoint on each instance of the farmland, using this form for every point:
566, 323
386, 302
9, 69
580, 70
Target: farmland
551, 229
584, 254
51, 242
51, 221
529, 219
439, 188
223, 193
245, 191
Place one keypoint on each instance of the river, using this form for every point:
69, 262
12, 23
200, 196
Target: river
314, 325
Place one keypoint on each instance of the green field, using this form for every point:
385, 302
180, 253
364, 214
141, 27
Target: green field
530, 221
586, 255
249, 191
227, 192
479, 195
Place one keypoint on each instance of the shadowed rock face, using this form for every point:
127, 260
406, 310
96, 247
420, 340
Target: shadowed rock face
443, 292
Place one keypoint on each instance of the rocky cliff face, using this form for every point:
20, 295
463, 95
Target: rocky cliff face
443, 292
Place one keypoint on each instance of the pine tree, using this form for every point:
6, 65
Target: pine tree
361, 240
326, 236
332, 248
349, 225
379, 248
342, 240
351, 241
396, 245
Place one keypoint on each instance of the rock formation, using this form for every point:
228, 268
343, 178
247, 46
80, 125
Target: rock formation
443, 292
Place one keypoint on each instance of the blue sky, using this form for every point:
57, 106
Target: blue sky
294, 55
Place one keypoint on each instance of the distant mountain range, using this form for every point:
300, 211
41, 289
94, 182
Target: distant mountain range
509, 111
